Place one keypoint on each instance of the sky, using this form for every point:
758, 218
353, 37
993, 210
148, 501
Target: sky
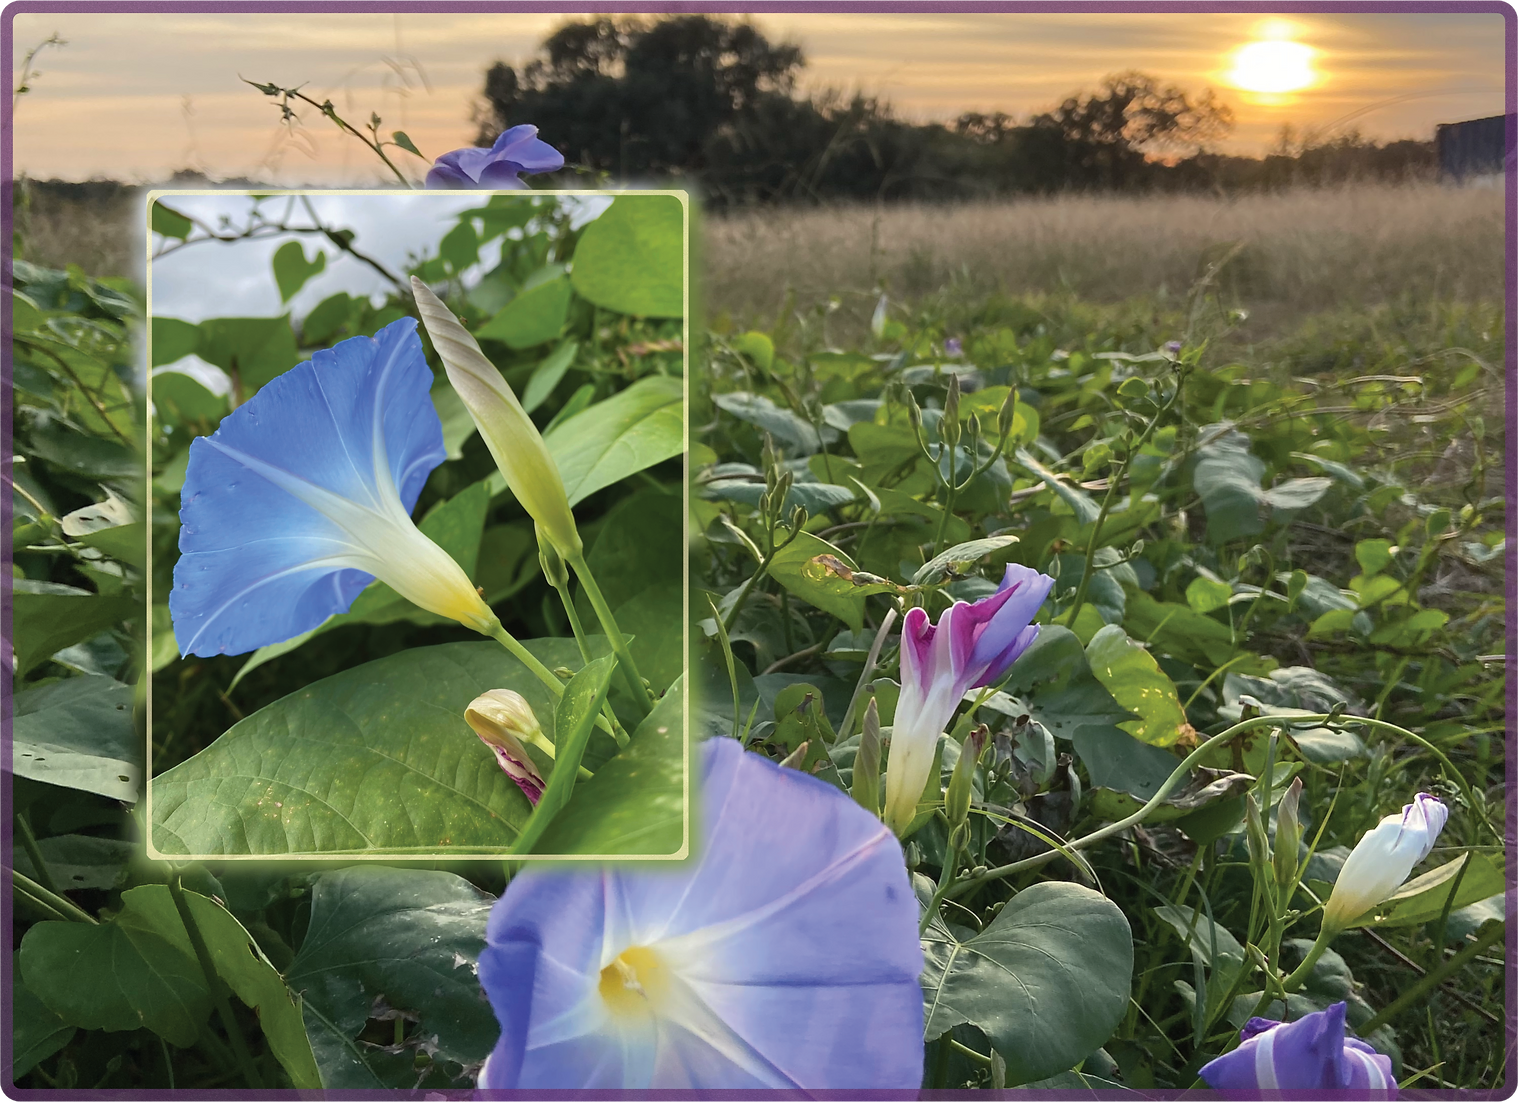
135, 96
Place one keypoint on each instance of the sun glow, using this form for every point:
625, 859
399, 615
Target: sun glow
1272, 67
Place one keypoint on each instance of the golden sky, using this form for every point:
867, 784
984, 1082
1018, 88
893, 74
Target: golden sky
135, 96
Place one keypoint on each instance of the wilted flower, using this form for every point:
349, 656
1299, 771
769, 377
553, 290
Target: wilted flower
1382, 860
505, 722
531, 473
972, 645
1309, 1054
516, 152
303, 496
784, 955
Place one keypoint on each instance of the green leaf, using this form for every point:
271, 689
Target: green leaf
169, 222
1422, 899
1179, 630
251, 350
1137, 683
181, 400
574, 719
1227, 476
821, 589
46, 617
632, 258
960, 555
136, 971
38, 1032
1206, 595
548, 374
400, 138
172, 340
243, 966
757, 347
460, 246
800, 718
292, 269
534, 316
79, 861
376, 759
407, 937
77, 733
790, 431
637, 804
628, 432
327, 317
1054, 683
1047, 981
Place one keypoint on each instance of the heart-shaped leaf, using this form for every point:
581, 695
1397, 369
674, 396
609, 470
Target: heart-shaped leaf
632, 258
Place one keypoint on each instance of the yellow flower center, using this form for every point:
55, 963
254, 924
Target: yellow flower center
635, 983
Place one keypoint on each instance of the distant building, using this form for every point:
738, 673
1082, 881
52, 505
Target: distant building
1474, 149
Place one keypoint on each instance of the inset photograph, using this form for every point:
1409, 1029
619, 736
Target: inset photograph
417, 525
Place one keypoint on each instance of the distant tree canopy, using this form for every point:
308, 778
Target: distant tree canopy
714, 103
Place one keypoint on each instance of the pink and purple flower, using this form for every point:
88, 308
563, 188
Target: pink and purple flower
1309, 1054
970, 646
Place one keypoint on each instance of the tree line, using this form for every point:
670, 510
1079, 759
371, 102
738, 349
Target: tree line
714, 103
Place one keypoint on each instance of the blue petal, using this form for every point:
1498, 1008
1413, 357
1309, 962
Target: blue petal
503, 175
257, 564
1028, 589
521, 146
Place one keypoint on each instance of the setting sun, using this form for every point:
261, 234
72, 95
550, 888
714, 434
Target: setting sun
1272, 66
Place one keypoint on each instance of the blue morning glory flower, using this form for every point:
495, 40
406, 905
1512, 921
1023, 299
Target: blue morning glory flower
784, 955
516, 153
303, 496
1309, 1054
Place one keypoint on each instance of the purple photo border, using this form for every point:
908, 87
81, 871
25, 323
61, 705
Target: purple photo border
772, 7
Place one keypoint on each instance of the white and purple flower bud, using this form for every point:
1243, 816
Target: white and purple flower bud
505, 722
1382, 860
971, 645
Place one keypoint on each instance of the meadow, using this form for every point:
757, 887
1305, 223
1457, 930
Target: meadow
1246, 450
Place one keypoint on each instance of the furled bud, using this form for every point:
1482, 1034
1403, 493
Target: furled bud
948, 428
1382, 859
530, 471
505, 723
956, 802
1254, 833
551, 561
1007, 413
1288, 837
866, 787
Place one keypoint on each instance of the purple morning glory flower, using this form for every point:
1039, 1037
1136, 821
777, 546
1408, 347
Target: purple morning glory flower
303, 496
517, 152
952, 347
1309, 1054
972, 645
1172, 347
784, 955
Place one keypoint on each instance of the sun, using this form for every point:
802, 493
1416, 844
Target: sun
1273, 66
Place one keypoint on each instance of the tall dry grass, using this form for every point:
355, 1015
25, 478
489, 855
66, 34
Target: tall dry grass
1301, 251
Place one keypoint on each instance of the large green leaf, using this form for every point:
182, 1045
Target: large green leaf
1424, 898
376, 759
1054, 683
793, 433
169, 222
1047, 981
632, 258
137, 970
292, 269
638, 803
173, 339
1227, 476
79, 860
628, 432
78, 733
573, 720
38, 1032
825, 590
409, 938
962, 555
455, 525
532, 317
46, 617
1137, 683
252, 350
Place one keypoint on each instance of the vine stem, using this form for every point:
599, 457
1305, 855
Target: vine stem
39, 895
29, 843
1179, 774
625, 663
541, 672
214, 982
579, 633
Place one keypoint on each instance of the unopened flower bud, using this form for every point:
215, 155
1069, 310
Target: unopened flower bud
1254, 832
1382, 859
1288, 836
505, 722
961, 784
866, 787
